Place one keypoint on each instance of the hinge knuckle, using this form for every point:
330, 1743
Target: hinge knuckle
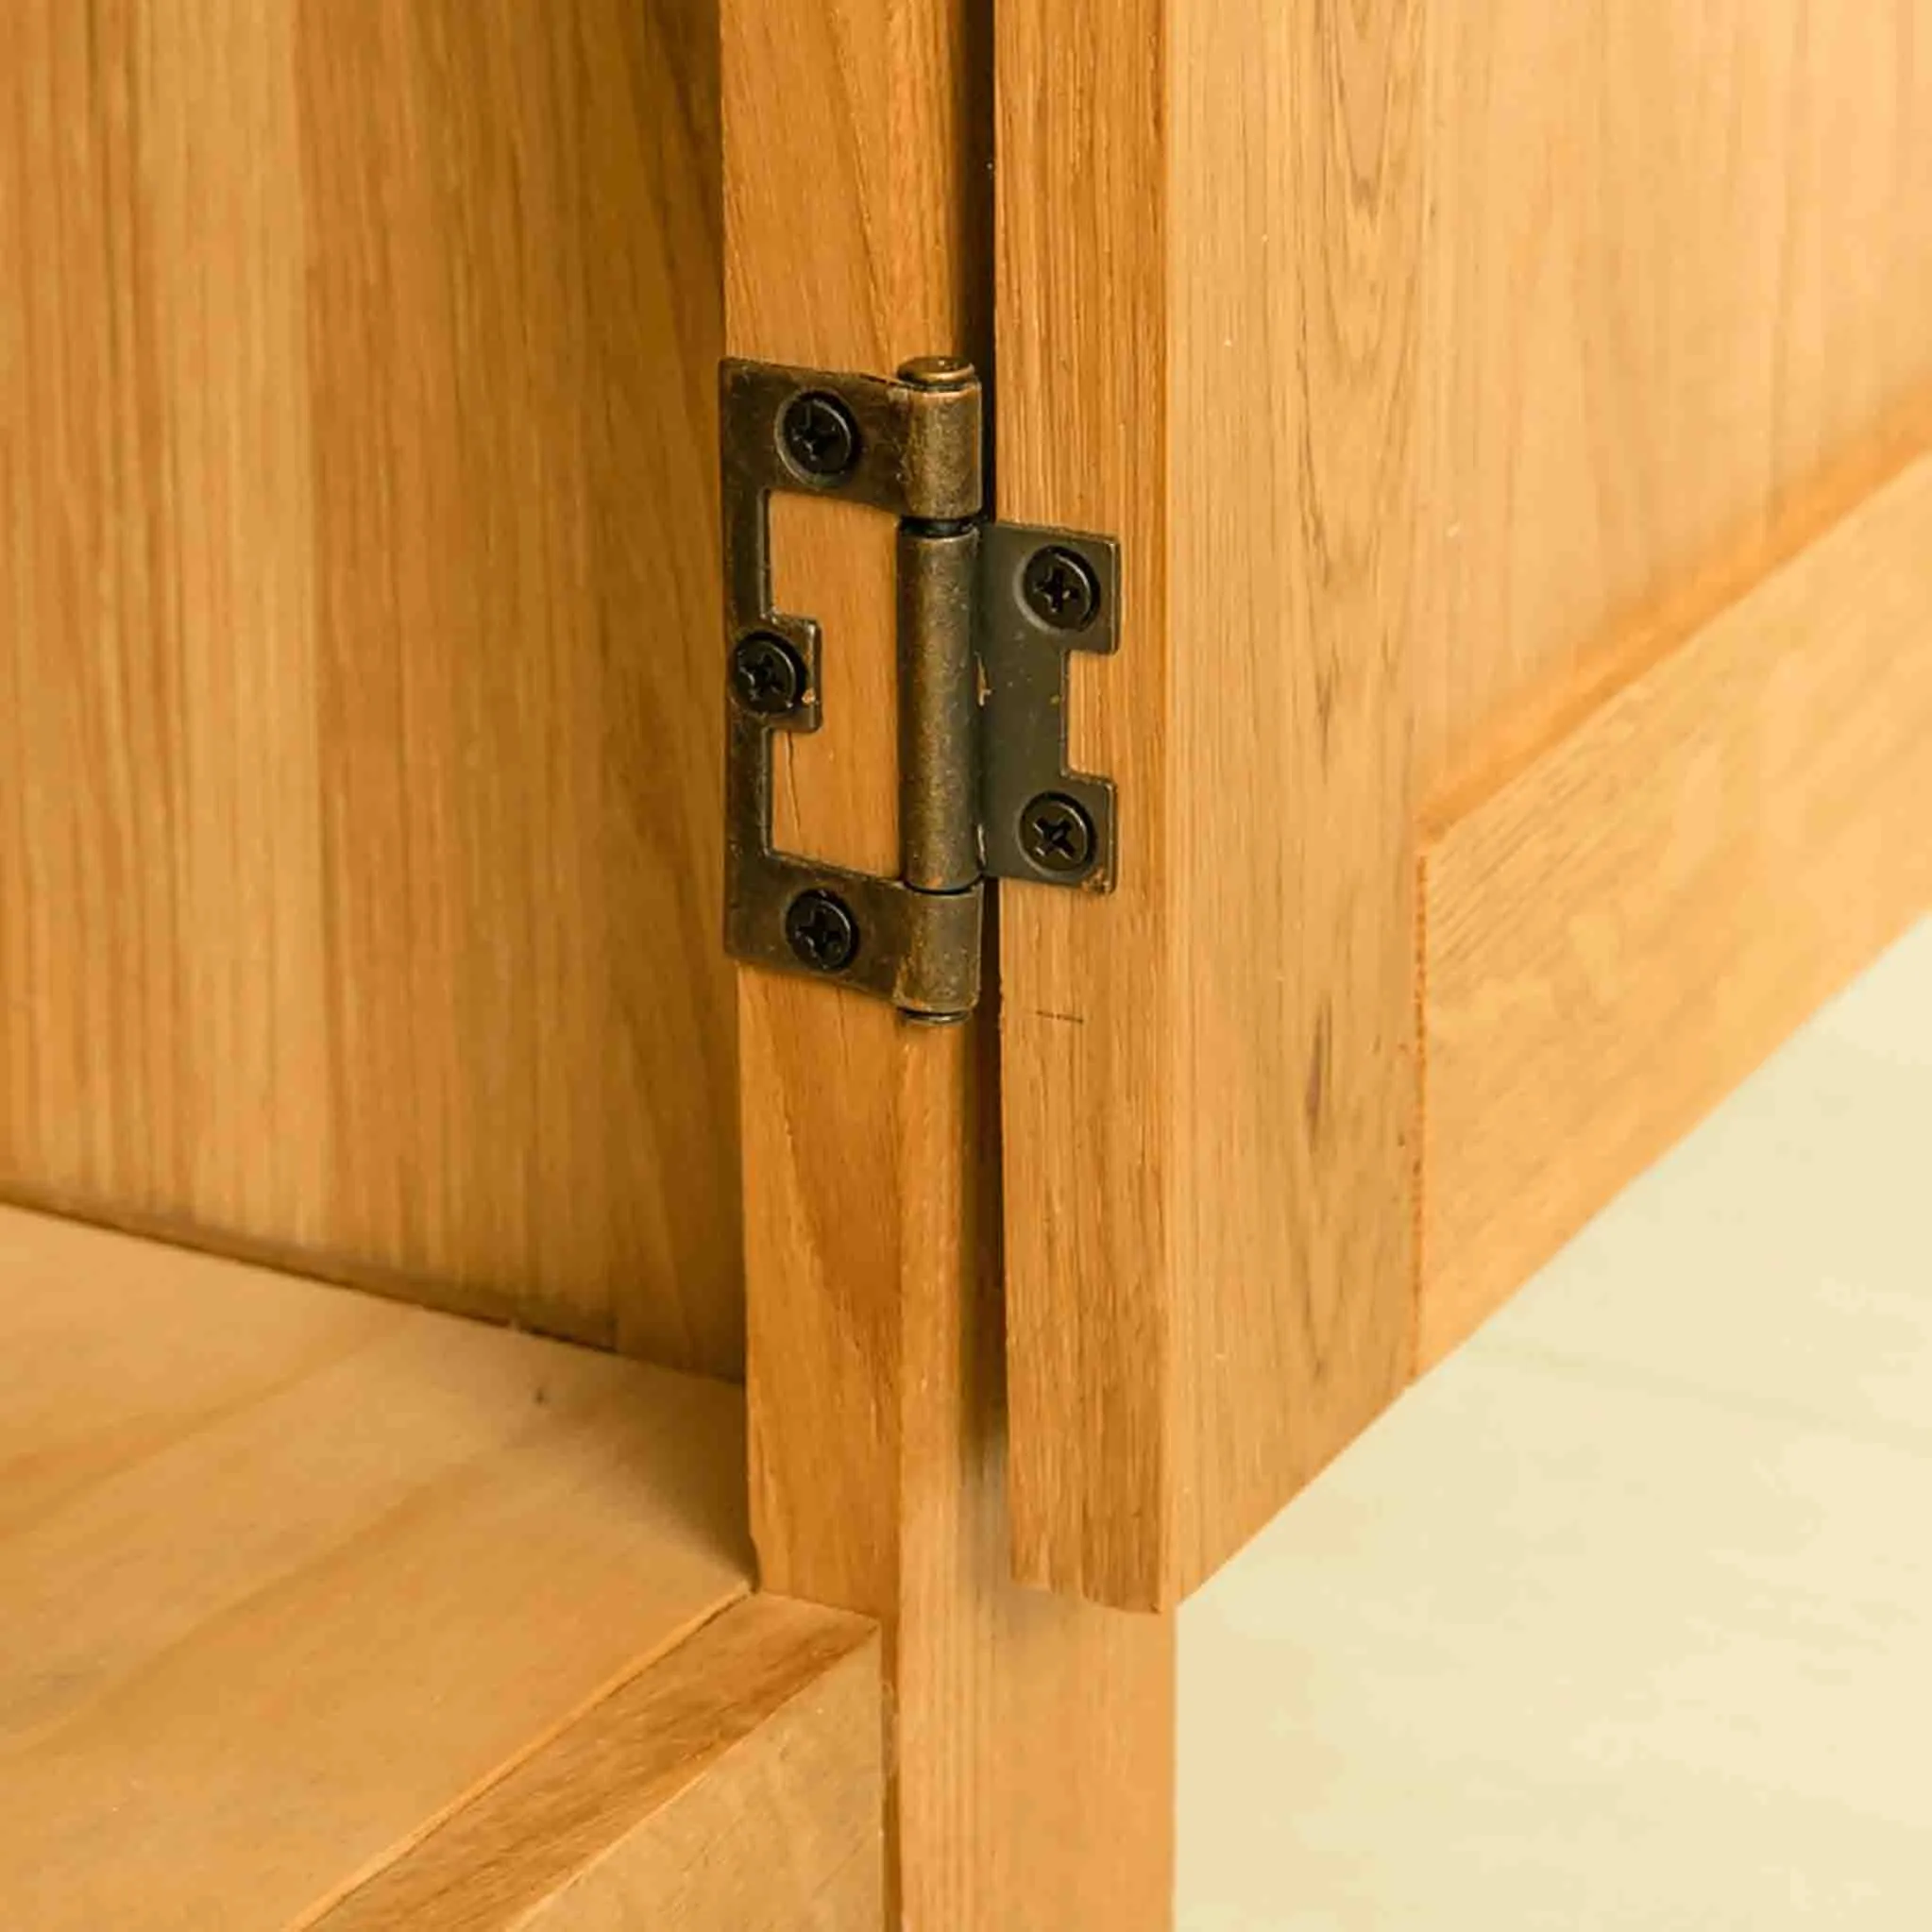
987, 616
943, 453
938, 736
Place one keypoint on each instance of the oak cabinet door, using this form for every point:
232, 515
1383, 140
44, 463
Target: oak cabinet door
1514, 419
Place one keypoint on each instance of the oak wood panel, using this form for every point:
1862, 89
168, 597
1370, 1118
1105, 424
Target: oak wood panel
1031, 1738
1679, 256
287, 1571
359, 843
1210, 235
736, 1786
1628, 922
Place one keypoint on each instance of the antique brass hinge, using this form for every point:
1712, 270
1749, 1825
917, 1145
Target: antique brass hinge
988, 613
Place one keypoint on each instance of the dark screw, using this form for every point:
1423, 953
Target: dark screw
821, 438
766, 675
1057, 833
1061, 590
820, 928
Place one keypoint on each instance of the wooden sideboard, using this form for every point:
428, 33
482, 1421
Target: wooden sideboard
1515, 428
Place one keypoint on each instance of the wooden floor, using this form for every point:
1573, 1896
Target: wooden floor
287, 1573
1622, 1621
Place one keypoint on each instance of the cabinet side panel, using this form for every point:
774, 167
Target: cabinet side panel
359, 830
1625, 929
1679, 260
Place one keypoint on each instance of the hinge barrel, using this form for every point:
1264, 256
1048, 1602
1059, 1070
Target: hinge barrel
938, 736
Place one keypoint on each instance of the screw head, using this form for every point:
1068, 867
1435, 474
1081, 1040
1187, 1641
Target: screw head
821, 932
767, 676
1060, 588
1057, 835
821, 438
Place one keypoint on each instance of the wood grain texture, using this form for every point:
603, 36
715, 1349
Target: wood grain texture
1032, 1739
359, 858
1679, 255
733, 1787
1210, 228
1626, 925
286, 1572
